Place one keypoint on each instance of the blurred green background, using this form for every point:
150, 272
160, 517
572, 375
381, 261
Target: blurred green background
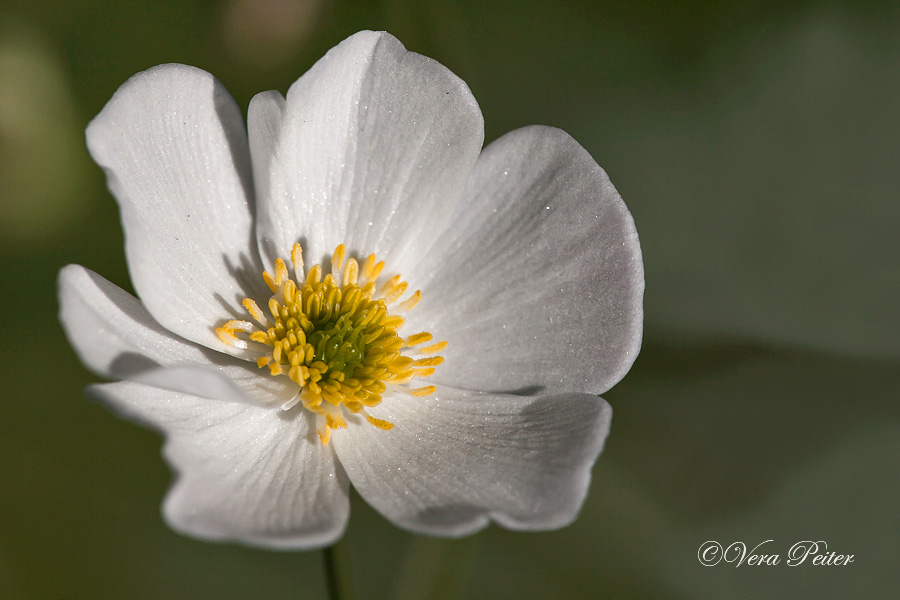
757, 145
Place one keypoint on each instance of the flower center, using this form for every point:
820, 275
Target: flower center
336, 338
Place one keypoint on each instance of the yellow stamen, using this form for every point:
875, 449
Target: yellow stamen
368, 265
255, 312
431, 361
379, 423
269, 281
335, 338
324, 436
389, 285
432, 348
419, 338
423, 391
297, 261
351, 272
337, 261
281, 272
410, 302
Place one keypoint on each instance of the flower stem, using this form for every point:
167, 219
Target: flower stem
339, 570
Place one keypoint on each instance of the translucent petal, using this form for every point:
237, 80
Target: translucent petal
244, 473
116, 337
173, 145
537, 283
372, 150
456, 459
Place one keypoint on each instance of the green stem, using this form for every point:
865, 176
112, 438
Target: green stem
339, 570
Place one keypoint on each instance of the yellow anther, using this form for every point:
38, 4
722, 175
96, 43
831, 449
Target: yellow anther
404, 377
281, 272
324, 436
261, 337
370, 400
311, 401
297, 261
226, 333
423, 391
337, 261
335, 421
255, 312
410, 302
314, 276
369, 289
425, 372
270, 282
227, 336
296, 375
289, 291
399, 363
379, 423
432, 348
394, 321
419, 338
376, 387
395, 292
353, 405
431, 361
389, 285
365, 271
376, 270
274, 309
351, 271
238, 325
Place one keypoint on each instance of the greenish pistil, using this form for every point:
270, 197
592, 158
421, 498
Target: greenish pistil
339, 344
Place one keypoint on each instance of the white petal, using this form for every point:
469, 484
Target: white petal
116, 337
245, 473
539, 283
174, 149
455, 459
264, 119
375, 145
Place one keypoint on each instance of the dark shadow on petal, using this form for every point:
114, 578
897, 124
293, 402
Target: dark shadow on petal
229, 311
248, 273
236, 134
129, 364
269, 250
450, 517
531, 390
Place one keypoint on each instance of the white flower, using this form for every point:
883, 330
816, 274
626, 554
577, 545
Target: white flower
526, 259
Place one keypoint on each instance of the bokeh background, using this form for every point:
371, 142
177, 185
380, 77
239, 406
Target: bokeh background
757, 145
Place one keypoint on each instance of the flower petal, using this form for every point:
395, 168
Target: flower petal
375, 144
539, 281
173, 146
116, 337
457, 458
245, 473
